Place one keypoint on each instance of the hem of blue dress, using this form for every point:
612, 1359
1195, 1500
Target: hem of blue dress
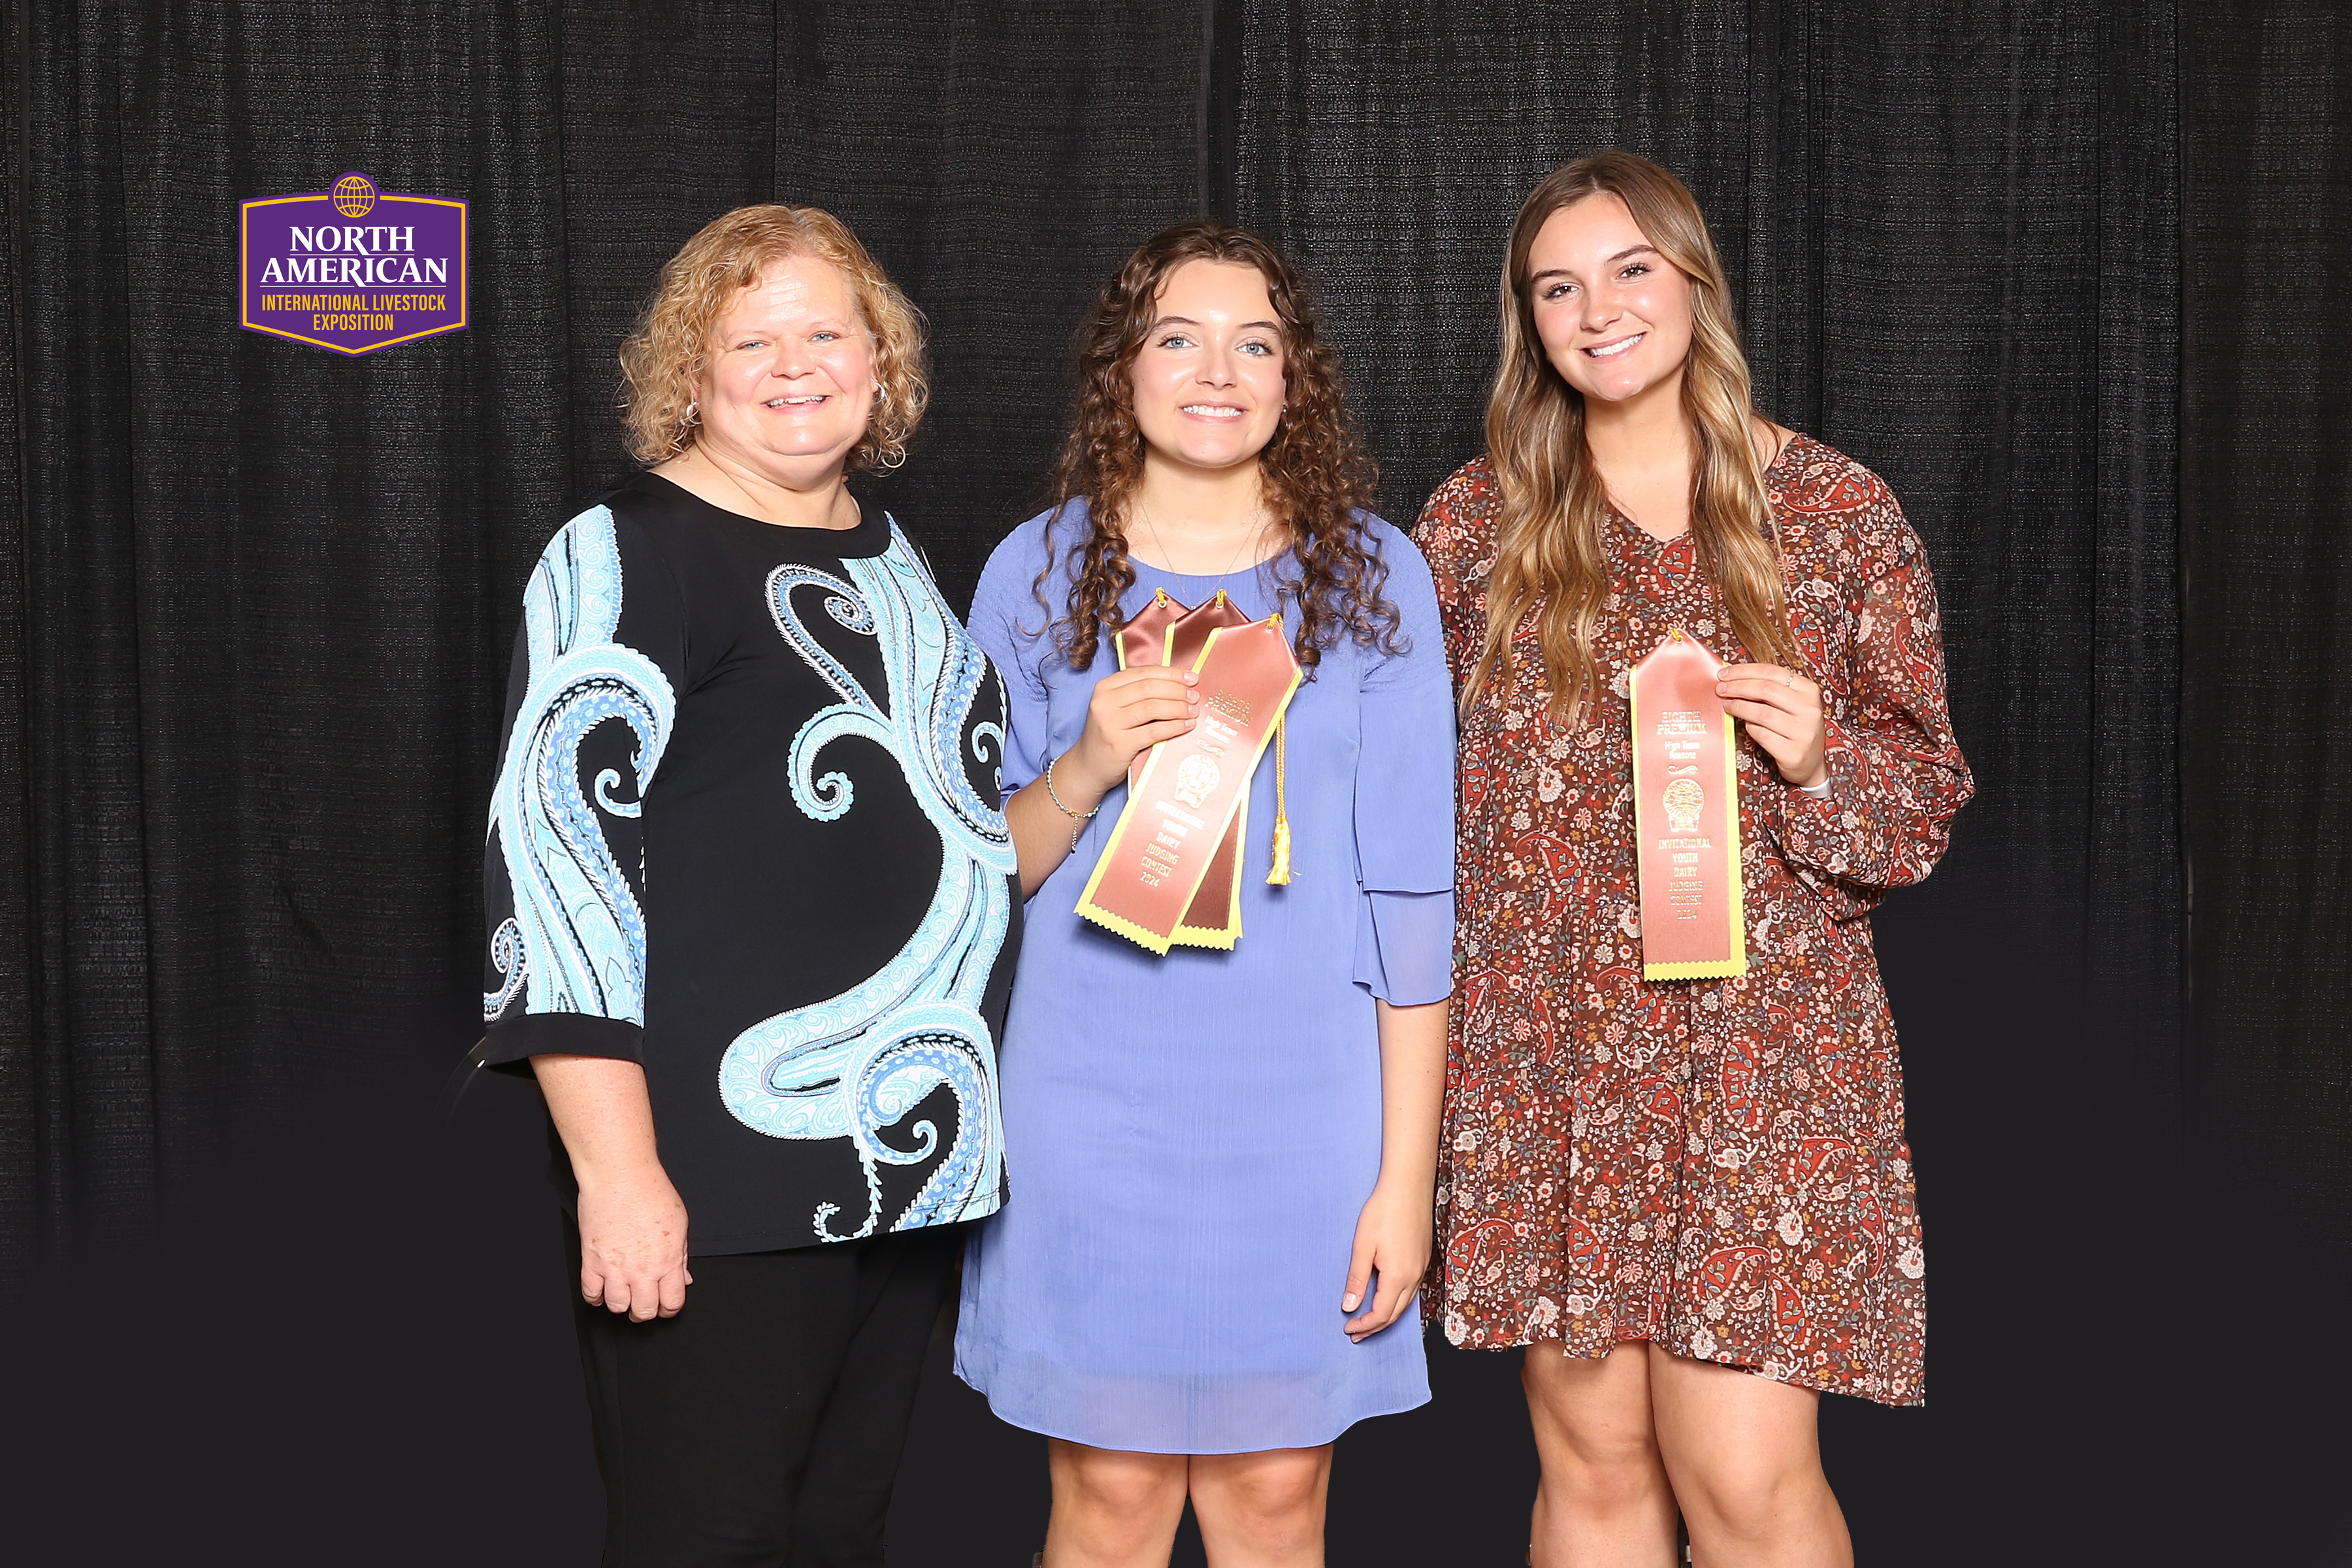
1031, 1423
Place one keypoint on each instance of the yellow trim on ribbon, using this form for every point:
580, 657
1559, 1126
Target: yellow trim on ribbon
1718, 969
1152, 940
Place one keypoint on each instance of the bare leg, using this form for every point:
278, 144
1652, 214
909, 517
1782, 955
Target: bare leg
1746, 1458
1112, 1508
1603, 1500
1262, 1510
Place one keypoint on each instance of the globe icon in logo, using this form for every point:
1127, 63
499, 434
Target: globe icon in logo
1684, 801
355, 196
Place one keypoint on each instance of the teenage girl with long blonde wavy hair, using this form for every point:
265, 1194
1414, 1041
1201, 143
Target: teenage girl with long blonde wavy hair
1691, 1200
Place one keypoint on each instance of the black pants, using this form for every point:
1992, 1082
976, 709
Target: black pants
762, 1427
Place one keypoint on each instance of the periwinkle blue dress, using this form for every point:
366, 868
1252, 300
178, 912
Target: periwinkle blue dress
1188, 1140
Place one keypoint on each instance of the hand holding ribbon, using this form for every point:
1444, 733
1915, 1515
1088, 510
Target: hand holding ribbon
1173, 829
1131, 711
1782, 711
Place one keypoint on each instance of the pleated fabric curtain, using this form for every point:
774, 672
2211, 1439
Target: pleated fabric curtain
2266, 749
667, 121
260, 581
20, 1203
2266, 486
998, 161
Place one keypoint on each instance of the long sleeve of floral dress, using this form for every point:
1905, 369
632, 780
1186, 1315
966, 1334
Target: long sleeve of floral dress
1896, 776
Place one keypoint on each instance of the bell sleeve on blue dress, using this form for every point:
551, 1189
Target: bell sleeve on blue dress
598, 664
1404, 795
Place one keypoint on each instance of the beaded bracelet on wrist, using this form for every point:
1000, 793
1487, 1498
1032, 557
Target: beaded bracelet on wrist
1078, 820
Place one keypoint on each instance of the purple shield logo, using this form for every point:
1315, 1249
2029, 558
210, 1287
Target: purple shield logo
353, 269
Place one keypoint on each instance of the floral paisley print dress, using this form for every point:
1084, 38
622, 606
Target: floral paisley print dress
1718, 1166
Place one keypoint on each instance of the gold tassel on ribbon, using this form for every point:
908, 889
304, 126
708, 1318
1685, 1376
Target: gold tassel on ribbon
1280, 876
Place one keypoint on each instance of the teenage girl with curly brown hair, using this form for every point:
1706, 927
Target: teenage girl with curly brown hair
1222, 1158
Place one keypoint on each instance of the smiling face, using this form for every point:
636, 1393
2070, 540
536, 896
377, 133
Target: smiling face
1208, 381
790, 377
1614, 314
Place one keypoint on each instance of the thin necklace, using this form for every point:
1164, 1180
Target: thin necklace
1251, 537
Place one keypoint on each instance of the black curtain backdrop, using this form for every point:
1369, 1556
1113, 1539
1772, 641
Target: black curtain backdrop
2062, 273
998, 161
2267, 565
2266, 573
261, 591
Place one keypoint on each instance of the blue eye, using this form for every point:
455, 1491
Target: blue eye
1262, 351
824, 337
1175, 340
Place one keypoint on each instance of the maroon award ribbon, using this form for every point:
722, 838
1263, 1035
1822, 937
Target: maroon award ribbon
1191, 789
1165, 632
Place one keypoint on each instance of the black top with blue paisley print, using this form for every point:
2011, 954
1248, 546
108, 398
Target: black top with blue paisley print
747, 832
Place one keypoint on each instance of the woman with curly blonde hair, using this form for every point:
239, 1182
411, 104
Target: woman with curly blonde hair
1223, 1150
750, 896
